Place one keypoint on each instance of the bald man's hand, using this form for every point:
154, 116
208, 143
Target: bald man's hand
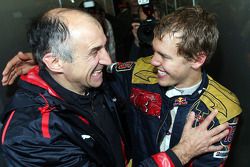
199, 140
18, 65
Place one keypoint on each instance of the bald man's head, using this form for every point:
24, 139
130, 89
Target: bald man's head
67, 15
52, 32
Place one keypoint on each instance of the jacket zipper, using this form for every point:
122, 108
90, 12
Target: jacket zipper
161, 125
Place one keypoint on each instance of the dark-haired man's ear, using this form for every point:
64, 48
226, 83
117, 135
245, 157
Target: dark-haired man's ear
53, 63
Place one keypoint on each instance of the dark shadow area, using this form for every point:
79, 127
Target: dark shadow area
230, 66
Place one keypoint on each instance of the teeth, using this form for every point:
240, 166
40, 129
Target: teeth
98, 71
161, 72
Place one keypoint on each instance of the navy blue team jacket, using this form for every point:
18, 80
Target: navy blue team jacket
42, 129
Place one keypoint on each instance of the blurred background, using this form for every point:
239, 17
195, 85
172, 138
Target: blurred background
230, 66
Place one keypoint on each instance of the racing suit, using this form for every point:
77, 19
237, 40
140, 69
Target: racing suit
156, 119
47, 125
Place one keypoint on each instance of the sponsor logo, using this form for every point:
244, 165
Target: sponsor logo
180, 101
148, 102
232, 128
226, 142
124, 66
221, 154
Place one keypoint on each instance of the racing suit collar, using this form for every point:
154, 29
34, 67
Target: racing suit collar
173, 91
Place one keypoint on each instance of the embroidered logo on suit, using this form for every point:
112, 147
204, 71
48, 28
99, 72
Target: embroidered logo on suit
218, 97
148, 102
144, 72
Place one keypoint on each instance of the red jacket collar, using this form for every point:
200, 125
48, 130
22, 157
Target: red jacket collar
33, 77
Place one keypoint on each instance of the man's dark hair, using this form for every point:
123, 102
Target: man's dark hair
50, 34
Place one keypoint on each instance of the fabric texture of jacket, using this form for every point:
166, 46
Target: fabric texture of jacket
42, 129
150, 117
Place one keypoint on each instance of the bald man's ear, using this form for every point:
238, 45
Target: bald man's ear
199, 60
53, 63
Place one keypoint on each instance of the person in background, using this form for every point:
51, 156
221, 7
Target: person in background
148, 16
59, 107
122, 29
98, 12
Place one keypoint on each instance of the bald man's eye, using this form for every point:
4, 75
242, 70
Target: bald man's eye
93, 53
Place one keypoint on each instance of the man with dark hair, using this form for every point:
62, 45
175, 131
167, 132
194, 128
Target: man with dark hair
61, 114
